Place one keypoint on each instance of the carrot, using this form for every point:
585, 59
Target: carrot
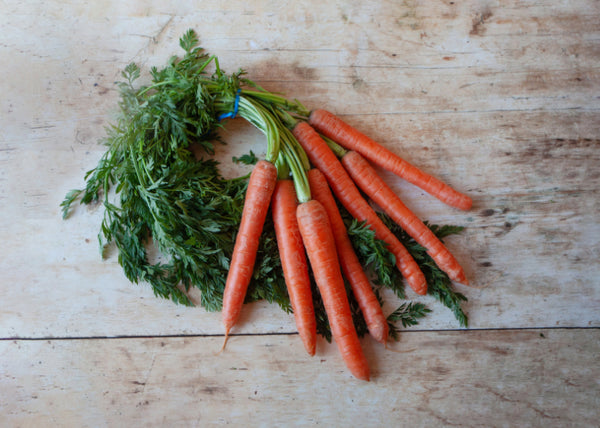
320, 247
335, 128
365, 176
293, 261
256, 204
345, 190
351, 267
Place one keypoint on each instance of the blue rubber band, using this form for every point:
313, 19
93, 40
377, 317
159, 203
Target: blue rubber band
236, 104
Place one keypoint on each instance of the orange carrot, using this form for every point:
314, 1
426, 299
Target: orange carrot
293, 261
335, 128
351, 267
320, 247
365, 176
256, 205
345, 190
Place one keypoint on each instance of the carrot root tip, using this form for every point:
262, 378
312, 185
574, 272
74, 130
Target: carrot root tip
224, 342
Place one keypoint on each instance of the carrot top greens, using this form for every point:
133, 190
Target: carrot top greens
172, 217
164, 196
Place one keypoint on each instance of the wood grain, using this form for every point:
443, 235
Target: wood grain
499, 99
469, 379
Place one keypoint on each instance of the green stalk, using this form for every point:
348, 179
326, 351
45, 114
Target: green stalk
156, 85
335, 147
298, 172
276, 100
297, 162
283, 170
259, 116
264, 111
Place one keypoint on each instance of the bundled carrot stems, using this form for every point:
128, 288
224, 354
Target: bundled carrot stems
298, 231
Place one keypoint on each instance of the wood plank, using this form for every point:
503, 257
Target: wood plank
536, 204
471, 379
500, 102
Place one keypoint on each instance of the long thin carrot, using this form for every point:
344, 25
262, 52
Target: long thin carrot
258, 196
293, 261
345, 190
335, 128
351, 267
365, 176
320, 246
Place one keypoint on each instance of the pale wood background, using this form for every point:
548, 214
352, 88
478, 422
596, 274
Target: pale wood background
500, 99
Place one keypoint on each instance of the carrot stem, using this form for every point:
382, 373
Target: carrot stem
296, 160
335, 147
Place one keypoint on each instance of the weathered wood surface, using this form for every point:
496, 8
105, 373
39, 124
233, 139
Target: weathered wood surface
501, 100
468, 379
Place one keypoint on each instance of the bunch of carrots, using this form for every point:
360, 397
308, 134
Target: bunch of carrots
313, 161
320, 159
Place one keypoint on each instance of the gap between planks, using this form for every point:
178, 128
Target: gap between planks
178, 336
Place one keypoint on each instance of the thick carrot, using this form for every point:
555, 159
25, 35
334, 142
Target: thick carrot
351, 267
256, 205
335, 128
320, 247
365, 176
293, 261
347, 193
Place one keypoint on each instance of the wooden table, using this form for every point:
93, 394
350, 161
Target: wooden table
499, 99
